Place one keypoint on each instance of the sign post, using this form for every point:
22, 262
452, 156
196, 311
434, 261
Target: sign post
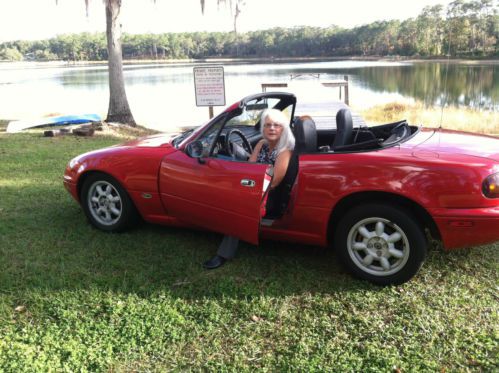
209, 86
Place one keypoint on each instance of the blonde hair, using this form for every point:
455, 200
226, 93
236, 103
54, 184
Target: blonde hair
287, 139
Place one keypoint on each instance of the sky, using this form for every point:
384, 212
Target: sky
42, 19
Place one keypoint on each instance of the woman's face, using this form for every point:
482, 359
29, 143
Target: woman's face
272, 131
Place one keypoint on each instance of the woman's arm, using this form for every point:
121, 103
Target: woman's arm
256, 150
280, 167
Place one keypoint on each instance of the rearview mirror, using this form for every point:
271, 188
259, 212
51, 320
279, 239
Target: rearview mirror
260, 106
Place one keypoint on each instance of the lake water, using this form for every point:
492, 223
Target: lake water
161, 96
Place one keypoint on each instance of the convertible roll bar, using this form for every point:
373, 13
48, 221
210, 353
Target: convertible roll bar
286, 97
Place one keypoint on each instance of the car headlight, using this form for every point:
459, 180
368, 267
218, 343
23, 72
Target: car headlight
490, 186
73, 162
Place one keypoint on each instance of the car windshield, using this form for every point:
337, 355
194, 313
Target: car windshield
178, 139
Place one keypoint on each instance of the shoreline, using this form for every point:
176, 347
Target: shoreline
461, 119
408, 59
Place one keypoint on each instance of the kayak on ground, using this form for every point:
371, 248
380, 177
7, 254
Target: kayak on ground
62, 120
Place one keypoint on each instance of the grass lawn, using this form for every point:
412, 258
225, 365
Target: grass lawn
73, 298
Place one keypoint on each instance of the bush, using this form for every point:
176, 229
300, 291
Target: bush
10, 54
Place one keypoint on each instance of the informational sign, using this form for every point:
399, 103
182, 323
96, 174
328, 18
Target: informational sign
209, 86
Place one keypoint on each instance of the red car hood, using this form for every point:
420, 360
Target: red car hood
154, 141
465, 143
157, 144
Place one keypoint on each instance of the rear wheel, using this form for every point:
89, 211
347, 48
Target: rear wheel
106, 204
380, 243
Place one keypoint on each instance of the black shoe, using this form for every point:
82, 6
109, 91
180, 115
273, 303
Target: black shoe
215, 262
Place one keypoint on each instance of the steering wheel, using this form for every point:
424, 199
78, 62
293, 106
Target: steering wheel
230, 145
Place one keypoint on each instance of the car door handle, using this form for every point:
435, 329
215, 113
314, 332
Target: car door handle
248, 183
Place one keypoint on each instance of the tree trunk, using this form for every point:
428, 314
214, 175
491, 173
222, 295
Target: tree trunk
119, 110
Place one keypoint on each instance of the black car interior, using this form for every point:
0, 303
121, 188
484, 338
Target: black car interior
344, 138
344, 129
237, 140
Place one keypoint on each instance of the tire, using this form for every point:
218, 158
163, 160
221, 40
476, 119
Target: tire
380, 243
106, 204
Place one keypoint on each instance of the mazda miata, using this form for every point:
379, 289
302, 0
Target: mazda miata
377, 195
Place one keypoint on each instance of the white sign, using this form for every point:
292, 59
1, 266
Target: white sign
209, 86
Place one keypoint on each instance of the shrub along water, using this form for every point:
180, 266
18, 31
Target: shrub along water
76, 299
463, 119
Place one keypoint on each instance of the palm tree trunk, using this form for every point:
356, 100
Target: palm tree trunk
119, 110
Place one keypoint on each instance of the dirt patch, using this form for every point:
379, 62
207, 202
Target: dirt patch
98, 129
122, 130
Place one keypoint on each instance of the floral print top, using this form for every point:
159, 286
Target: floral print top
265, 157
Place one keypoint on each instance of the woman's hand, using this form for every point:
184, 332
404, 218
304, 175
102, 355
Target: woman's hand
256, 150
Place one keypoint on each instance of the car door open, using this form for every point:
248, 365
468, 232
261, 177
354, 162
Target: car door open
219, 195
210, 183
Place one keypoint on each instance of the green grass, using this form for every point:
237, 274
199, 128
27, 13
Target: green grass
75, 299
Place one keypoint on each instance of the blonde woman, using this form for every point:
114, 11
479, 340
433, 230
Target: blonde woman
274, 148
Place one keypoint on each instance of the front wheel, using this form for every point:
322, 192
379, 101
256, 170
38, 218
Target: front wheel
106, 204
380, 243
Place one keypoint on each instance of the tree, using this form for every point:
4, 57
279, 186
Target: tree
485, 15
237, 11
458, 25
119, 109
429, 26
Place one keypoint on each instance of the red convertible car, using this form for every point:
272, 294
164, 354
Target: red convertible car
375, 194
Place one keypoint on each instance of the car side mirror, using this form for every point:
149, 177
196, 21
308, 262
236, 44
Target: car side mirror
195, 150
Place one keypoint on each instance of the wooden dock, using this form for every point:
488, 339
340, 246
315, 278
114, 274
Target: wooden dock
324, 114
273, 85
330, 84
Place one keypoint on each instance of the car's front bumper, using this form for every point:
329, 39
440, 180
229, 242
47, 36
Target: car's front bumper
71, 186
467, 227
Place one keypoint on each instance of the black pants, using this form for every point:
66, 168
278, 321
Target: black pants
228, 247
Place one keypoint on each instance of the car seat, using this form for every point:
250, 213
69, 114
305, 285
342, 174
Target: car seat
305, 133
344, 127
